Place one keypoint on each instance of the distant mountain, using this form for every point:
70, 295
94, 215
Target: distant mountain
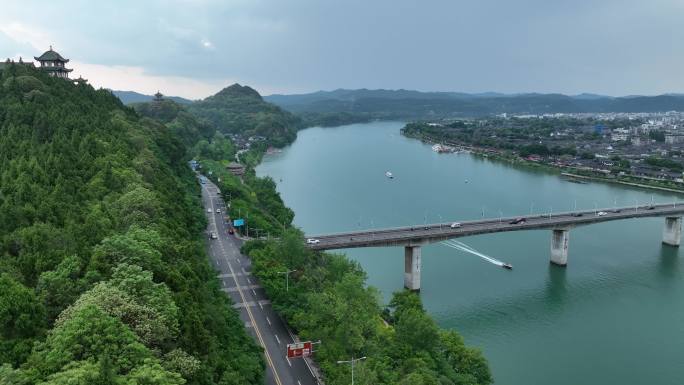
407, 104
128, 97
241, 110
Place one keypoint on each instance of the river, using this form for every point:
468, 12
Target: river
615, 315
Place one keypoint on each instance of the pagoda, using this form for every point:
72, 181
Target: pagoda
53, 63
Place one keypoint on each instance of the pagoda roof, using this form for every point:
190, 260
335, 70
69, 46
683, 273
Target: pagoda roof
51, 55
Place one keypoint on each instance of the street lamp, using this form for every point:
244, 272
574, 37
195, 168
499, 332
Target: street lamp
352, 362
287, 278
500, 216
440, 221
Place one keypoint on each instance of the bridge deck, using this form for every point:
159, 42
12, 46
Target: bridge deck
422, 234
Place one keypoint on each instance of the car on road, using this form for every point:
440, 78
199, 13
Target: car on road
218, 211
209, 211
517, 221
577, 214
601, 213
455, 225
650, 208
312, 241
213, 235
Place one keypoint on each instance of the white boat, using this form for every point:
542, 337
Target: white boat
389, 175
441, 148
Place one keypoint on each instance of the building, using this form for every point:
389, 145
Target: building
236, 168
54, 64
619, 134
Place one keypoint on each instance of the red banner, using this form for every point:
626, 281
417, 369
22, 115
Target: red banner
299, 349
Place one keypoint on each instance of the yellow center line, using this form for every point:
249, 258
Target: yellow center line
242, 296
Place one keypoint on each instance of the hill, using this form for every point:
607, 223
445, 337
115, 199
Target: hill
199, 136
404, 104
128, 97
242, 111
102, 266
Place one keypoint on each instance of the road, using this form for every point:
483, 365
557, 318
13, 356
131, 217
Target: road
234, 272
419, 234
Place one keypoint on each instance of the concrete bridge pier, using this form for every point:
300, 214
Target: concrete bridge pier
559, 246
412, 267
672, 232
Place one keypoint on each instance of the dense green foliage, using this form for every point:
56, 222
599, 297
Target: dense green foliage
241, 110
252, 198
102, 266
200, 137
664, 163
328, 301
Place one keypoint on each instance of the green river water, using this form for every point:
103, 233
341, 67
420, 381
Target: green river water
615, 315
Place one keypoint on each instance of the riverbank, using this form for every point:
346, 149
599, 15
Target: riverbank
571, 172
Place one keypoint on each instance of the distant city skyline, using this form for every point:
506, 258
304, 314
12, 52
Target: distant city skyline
194, 48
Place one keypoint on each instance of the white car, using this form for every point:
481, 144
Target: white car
209, 211
218, 211
312, 241
601, 213
455, 225
213, 235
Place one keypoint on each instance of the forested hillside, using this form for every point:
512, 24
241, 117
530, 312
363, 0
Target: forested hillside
103, 274
199, 136
241, 110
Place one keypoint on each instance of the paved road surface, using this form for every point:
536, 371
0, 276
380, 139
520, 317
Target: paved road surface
255, 309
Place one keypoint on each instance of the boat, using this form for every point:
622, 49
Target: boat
441, 148
389, 175
507, 266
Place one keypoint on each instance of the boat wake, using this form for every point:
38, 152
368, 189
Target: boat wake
463, 247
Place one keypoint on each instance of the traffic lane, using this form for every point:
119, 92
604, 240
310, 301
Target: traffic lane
274, 342
298, 373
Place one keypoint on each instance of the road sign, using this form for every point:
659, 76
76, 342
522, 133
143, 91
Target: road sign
238, 222
299, 349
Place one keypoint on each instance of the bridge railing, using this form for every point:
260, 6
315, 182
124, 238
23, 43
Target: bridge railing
495, 220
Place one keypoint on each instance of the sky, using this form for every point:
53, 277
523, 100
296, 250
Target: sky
194, 48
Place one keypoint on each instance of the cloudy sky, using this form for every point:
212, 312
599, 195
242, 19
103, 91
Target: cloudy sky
193, 48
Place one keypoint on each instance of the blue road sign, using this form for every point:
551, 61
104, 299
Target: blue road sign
238, 222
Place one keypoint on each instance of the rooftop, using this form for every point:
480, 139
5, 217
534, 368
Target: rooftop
51, 55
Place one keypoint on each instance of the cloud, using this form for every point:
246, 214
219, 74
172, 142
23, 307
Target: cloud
135, 79
603, 46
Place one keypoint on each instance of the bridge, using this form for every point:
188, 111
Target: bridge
413, 237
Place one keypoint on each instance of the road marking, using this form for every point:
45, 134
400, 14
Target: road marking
254, 292
277, 339
248, 281
299, 383
269, 361
288, 361
238, 259
261, 306
269, 321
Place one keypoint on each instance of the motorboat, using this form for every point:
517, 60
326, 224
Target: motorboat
507, 266
389, 175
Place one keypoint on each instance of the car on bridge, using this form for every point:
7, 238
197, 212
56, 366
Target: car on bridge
312, 241
455, 225
601, 213
517, 221
577, 214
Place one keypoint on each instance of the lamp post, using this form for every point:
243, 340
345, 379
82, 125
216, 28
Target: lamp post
287, 278
352, 362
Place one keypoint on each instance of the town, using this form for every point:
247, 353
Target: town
644, 148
